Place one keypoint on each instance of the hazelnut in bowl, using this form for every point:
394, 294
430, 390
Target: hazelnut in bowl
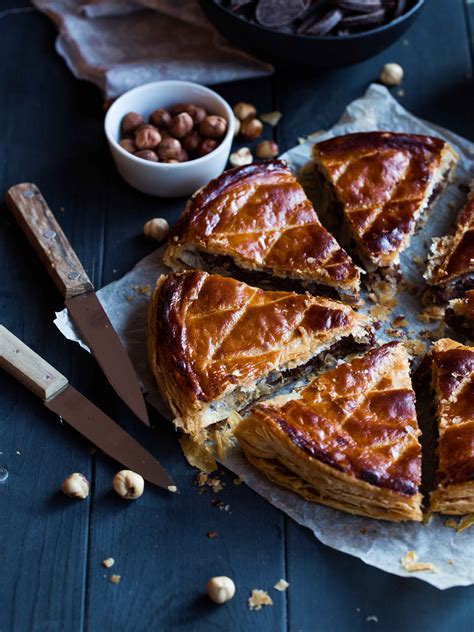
169, 138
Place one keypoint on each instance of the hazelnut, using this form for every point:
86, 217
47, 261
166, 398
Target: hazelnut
160, 118
181, 125
206, 146
244, 110
213, 127
76, 486
391, 74
157, 229
242, 156
144, 126
147, 154
128, 484
183, 156
197, 113
130, 122
128, 145
267, 149
251, 128
220, 589
191, 141
236, 126
177, 108
147, 138
169, 148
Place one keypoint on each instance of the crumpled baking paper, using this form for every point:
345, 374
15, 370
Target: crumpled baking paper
379, 543
125, 46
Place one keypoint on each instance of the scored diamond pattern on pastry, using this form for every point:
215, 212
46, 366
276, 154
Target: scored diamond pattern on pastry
260, 217
353, 429
209, 334
383, 181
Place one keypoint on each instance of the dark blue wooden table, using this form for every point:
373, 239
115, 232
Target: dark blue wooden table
51, 548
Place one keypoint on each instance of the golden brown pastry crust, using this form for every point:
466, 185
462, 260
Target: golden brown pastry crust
453, 384
452, 257
383, 180
350, 441
259, 216
209, 335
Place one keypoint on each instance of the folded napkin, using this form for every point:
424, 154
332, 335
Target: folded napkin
120, 44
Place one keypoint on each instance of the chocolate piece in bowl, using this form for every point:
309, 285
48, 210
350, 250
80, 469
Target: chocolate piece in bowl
453, 385
378, 185
348, 440
255, 223
216, 345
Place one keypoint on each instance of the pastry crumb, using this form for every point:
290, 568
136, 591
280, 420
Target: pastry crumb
451, 562
400, 321
212, 534
108, 562
237, 481
197, 454
410, 563
272, 118
373, 618
431, 314
281, 585
144, 289
115, 579
415, 347
463, 524
259, 598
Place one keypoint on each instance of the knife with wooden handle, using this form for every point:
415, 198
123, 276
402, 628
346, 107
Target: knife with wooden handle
44, 233
45, 382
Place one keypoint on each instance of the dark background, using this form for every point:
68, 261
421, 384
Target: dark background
51, 548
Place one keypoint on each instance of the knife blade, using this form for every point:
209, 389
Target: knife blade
43, 231
63, 399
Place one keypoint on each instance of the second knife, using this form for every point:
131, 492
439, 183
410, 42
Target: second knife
46, 236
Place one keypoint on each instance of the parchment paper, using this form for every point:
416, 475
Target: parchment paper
378, 543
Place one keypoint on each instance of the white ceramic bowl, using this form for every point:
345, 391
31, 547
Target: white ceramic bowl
168, 179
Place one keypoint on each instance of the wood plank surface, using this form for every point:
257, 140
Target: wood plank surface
52, 547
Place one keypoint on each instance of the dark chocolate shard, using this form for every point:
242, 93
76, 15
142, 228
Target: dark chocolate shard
321, 25
359, 6
274, 13
363, 19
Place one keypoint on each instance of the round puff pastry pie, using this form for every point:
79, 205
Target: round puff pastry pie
216, 344
452, 366
256, 224
450, 271
349, 441
379, 184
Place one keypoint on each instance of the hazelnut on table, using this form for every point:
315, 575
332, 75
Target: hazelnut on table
244, 110
157, 229
242, 156
251, 128
76, 486
128, 484
220, 589
391, 74
267, 149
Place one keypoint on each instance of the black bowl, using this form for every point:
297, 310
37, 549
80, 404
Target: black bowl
328, 51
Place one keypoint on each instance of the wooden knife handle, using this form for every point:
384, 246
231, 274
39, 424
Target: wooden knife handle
45, 235
28, 367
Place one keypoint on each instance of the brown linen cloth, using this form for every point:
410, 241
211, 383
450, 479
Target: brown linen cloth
119, 44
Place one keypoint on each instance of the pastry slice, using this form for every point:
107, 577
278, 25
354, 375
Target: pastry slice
349, 440
453, 384
378, 184
216, 344
450, 270
256, 224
